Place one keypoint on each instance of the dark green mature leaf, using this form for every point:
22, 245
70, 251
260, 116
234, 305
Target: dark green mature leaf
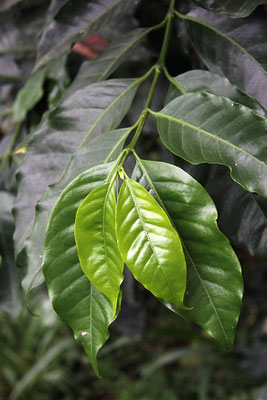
88, 112
97, 244
73, 22
149, 244
104, 148
237, 8
211, 261
10, 294
112, 57
200, 80
203, 128
248, 227
78, 303
29, 95
227, 46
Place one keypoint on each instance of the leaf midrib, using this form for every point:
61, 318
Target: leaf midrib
214, 137
151, 244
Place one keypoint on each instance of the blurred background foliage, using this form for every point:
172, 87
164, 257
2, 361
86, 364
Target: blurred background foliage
152, 353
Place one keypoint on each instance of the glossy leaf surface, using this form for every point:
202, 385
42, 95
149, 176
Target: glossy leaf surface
73, 22
104, 148
78, 303
112, 57
227, 46
206, 81
204, 128
149, 245
97, 243
214, 285
237, 8
88, 112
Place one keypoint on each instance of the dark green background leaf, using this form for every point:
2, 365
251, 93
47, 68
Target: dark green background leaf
227, 46
90, 111
236, 8
211, 262
206, 81
73, 22
10, 275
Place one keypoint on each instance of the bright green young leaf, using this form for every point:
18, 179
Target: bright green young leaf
73, 22
206, 81
29, 95
227, 46
102, 149
149, 244
112, 57
97, 244
204, 128
87, 113
214, 283
236, 8
78, 303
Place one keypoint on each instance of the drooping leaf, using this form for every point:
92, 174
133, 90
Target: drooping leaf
102, 67
206, 81
88, 112
227, 46
104, 148
237, 8
204, 128
10, 294
212, 263
29, 95
73, 22
78, 303
149, 244
97, 244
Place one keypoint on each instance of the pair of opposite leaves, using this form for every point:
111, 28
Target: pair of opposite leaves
135, 231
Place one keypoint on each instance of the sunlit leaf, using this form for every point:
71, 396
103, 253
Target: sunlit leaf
149, 244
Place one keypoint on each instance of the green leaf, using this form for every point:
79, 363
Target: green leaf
237, 8
214, 282
227, 46
87, 113
149, 244
97, 244
104, 148
29, 95
203, 128
78, 303
73, 22
10, 275
248, 227
205, 81
112, 57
